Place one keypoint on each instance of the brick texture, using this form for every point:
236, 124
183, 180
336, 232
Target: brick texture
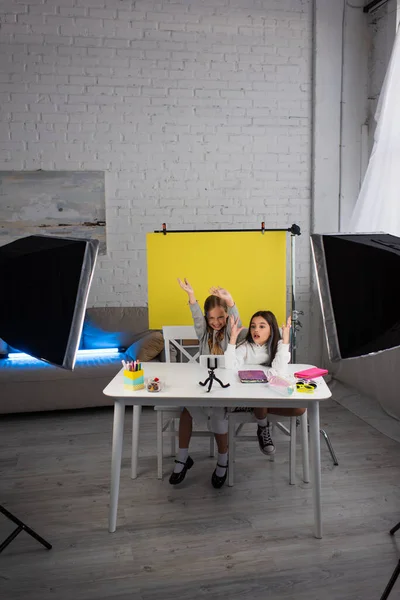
199, 112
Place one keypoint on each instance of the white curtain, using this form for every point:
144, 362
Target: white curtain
378, 209
378, 204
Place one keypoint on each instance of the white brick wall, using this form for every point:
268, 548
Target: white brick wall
199, 112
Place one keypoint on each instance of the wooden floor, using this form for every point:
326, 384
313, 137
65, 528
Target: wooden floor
250, 542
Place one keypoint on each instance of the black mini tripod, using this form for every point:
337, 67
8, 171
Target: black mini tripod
211, 375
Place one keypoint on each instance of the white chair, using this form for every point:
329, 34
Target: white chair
166, 415
176, 335
236, 420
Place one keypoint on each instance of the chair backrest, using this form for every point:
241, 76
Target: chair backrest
175, 335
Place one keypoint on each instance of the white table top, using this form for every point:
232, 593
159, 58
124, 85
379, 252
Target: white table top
181, 382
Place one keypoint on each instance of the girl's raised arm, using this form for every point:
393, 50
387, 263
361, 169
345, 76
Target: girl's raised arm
286, 330
235, 329
234, 357
185, 285
282, 356
232, 308
223, 294
199, 321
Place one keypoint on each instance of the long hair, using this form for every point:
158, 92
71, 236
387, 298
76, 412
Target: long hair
275, 336
215, 337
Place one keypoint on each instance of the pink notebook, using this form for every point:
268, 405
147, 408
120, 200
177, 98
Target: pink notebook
252, 377
311, 373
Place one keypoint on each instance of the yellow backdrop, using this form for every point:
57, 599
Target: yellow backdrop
251, 265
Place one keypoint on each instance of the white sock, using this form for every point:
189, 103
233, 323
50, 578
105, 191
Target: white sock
263, 422
182, 455
221, 460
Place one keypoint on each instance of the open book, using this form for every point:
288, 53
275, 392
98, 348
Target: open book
252, 376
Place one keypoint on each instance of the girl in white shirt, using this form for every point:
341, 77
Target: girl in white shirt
263, 346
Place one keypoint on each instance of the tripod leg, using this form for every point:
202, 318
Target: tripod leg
395, 528
10, 538
330, 447
391, 583
224, 385
203, 383
21, 527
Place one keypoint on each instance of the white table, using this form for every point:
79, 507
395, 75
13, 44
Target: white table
181, 388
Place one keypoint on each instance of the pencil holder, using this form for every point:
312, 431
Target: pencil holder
133, 380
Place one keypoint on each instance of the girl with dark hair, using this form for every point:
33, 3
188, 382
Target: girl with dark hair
213, 330
263, 346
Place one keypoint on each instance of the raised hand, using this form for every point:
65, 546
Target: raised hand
235, 329
223, 294
286, 330
185, 285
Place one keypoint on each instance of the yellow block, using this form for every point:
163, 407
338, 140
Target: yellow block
134, 380
133, 374
251, 265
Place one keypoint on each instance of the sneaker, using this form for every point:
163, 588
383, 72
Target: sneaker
264, 440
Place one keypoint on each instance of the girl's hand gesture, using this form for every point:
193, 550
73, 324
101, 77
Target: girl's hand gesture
223, 294
286, 331
185, 285
235, 329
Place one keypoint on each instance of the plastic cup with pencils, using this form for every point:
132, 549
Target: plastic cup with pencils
133, 376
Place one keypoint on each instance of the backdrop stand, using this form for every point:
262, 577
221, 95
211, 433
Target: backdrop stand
21, 527
294, 231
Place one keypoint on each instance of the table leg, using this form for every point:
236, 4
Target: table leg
292, 454
118, 437
313, 413
137, 411
304, 443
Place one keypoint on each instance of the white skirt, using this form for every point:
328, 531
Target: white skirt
214, 418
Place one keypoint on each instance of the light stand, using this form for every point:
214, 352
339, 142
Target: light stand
21, 527
49, 326
395, 573
211, 375
296, 324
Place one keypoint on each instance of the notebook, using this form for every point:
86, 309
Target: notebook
252, 377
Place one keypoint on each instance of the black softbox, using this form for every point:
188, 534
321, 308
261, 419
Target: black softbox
45, 283
359, 287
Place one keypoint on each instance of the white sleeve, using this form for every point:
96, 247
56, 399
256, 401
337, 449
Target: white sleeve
235, 357
281, 360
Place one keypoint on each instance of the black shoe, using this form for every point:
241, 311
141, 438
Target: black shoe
264, 440
179, 477
217, 481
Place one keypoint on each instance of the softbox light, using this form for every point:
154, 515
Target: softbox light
45, 283
359, 287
